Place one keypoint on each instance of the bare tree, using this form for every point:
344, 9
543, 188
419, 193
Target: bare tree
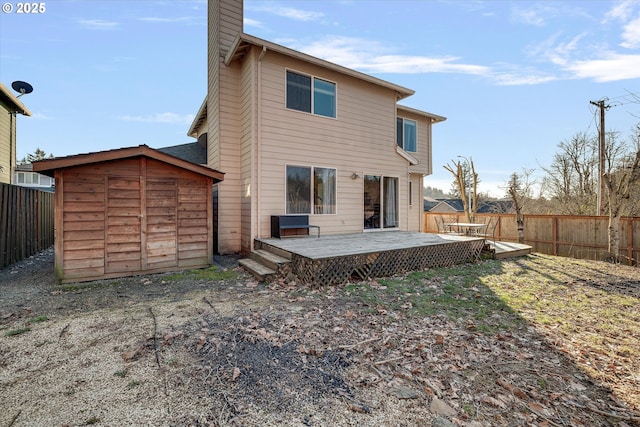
519, 190
466, 183
571, 179
620, 177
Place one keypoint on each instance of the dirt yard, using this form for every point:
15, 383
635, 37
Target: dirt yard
216, 348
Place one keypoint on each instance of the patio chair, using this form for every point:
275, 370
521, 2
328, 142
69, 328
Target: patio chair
489, 233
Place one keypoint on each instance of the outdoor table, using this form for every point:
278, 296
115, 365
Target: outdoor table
470, 228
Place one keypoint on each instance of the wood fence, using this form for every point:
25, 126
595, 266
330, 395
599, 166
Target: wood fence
26, 222
583, 237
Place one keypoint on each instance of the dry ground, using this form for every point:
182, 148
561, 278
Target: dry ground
536, 341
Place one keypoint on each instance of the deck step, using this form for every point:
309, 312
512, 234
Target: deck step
269, 259
257, 269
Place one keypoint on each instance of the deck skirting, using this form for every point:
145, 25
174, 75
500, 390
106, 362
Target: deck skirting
381, 263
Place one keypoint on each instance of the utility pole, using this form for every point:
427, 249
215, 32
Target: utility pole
601, 150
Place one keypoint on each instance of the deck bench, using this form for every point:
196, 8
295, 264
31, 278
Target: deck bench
279, 223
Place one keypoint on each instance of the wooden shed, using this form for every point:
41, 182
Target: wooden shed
130, 211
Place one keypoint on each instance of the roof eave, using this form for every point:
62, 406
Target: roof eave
49, 166
198, 119
18, 107
433, 117
243, 38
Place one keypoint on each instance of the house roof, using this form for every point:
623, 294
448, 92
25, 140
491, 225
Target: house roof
200, 118
12, 102
244, 41
434, 117
49, 166
193, 152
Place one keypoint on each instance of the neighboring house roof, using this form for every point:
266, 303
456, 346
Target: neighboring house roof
496, 206
193, 152
27, 167
12, 102
429, 203
47, 167
241, 45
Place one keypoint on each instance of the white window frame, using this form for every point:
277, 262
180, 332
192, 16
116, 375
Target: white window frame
312, 190
402, 144
312, 89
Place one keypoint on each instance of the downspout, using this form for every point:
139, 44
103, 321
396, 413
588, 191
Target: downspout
258, 181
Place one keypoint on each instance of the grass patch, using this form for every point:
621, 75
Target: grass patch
39, 319
133, 384
456, 292
121, 373
19, 331
213, 273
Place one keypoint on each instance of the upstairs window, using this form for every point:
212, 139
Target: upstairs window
406, 134
311, 95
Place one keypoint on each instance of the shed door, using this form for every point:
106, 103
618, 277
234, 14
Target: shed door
123, 231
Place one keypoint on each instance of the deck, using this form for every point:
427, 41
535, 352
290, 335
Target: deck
339, 258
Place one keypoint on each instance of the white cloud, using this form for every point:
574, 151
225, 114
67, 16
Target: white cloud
252, 23
174, 20
620, 11
607, 68
41, 116
98, 24
631, 34
520, 79
530, 16
286, 12
170, 118
372, 57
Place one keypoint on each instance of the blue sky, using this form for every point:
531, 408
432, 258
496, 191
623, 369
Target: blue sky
514, 79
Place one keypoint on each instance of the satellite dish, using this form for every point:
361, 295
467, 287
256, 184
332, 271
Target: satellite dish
21, 87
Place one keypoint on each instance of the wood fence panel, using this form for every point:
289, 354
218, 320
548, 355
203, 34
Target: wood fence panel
26, 222
583, 237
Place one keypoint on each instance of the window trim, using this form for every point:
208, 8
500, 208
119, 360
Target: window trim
401, 129
312, 195
312, 89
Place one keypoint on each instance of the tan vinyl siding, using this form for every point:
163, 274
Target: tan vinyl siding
423, 143
230, 193
415, 210
7, 144
247, 154
361, 139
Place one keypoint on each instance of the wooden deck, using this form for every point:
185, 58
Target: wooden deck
502, 250
338, 258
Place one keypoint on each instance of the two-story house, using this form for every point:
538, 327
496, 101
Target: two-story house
10, 106
296, 134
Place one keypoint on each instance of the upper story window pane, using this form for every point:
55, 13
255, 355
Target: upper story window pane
298, 92
406, 134
311, 95
324, 98
409, 135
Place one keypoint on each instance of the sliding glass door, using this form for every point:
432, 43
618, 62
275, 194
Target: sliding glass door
380, 202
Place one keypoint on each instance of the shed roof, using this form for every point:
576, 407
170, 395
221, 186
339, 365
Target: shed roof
12, 102
49, 166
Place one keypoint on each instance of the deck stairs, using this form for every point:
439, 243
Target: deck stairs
266, 265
